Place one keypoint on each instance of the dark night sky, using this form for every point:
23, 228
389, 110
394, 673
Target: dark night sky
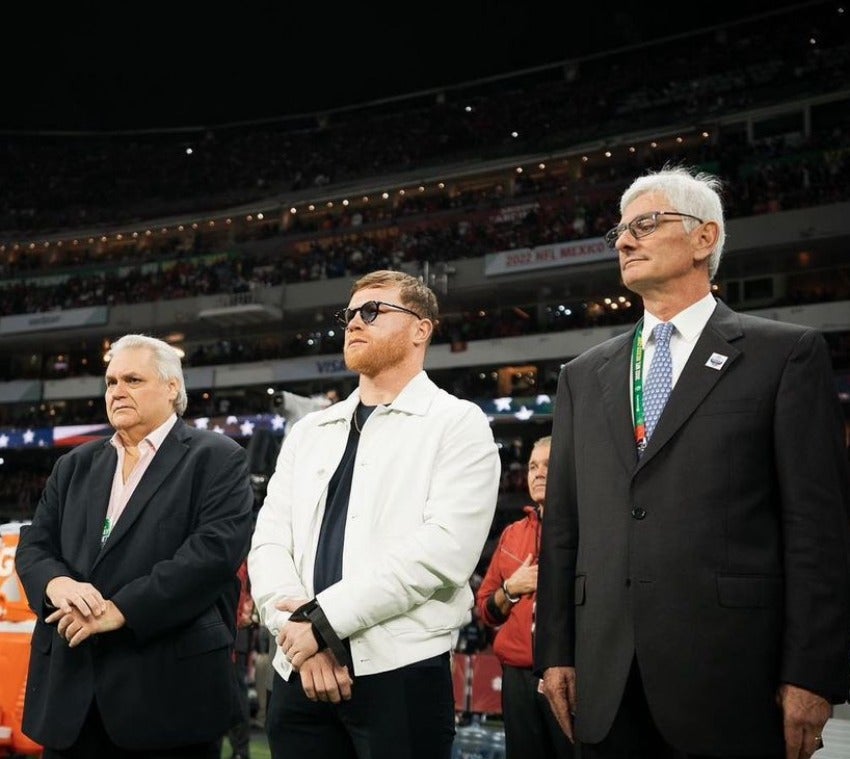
97, 66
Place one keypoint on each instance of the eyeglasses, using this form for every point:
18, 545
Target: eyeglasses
642, 225
369, 312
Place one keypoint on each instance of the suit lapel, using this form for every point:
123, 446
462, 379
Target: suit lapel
615, 383
99, 490
165, 459
698, 377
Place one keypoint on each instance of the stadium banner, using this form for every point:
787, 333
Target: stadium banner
20, 390
61, 319
73, 387
546, 256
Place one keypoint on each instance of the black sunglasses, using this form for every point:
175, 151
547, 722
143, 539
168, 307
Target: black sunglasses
369, 312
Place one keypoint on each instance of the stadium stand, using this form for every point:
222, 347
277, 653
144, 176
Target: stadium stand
238, 242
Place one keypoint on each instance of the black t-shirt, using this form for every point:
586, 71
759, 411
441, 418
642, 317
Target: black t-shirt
328, 567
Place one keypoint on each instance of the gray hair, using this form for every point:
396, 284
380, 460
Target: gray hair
688, 191
545, 440
166, 360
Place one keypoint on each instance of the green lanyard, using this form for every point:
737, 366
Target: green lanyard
637, 387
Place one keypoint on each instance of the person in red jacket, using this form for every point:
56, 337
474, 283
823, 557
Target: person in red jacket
505, 600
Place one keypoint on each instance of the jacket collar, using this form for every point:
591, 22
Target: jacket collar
415, 399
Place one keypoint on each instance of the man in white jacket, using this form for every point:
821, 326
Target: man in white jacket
374, 521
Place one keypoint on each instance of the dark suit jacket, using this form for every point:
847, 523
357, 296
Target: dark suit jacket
170, 565
719, 559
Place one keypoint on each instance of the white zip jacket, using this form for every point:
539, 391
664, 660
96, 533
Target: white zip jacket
423, 496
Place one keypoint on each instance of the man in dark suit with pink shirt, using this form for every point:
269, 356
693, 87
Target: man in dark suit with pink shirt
130, 563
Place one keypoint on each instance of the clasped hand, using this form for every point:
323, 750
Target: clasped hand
81, 611
67, 594
322, 676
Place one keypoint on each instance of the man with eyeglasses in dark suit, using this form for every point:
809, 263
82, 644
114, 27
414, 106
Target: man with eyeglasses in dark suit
693, 596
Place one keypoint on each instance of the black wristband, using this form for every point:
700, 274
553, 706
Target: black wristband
322, 631
320, 641
495, 611
302, 614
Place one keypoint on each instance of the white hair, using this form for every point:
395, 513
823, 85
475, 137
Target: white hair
689, 191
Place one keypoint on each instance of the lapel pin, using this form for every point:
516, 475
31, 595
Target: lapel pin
716, 361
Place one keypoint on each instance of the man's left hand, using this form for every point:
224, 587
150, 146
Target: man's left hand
804, 716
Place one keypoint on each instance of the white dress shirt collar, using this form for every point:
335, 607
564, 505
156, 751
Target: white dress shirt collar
689, 323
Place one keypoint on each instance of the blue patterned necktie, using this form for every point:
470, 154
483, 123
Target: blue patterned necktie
659, 381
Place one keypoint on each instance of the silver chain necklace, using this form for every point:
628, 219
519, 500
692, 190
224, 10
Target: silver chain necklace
354, 419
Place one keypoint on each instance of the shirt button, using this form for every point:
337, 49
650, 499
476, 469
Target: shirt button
638, 512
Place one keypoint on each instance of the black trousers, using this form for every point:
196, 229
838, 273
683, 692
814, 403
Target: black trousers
531, 730
634, 734
406, 713
93, 741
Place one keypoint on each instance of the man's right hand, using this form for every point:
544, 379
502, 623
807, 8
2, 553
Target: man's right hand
524, 579
325, 679
559, 687
67, 594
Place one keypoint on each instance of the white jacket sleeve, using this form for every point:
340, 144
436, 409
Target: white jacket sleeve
271, 559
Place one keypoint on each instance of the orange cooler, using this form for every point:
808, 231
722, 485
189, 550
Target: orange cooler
16, 625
